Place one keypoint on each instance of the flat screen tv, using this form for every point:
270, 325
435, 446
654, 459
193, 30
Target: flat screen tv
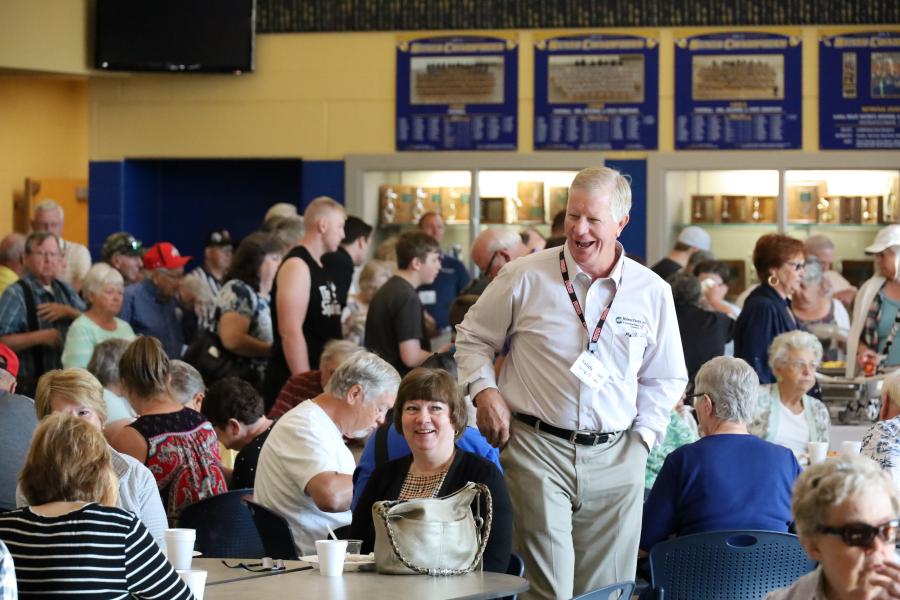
181, 36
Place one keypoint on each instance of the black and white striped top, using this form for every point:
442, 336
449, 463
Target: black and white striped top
97, 552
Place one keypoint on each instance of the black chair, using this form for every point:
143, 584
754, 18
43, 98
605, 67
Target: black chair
274, 531
225, 528
516, 567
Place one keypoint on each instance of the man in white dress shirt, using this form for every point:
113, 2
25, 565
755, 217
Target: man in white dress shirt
578, 417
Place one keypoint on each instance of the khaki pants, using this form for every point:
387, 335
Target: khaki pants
577, 510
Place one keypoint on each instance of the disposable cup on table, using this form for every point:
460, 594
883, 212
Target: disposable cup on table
817, 451
354, 547
331, 556
195, 580
180, 547
849, 449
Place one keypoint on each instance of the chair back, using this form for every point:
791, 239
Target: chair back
615, 591
274, 531
516, 567
225, 528
727, 565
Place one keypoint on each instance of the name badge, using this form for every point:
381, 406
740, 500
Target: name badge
590, 371
428, 297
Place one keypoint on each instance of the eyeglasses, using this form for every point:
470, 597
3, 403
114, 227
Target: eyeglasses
691, 397
799, 364
798, 266
863, 535
487, 268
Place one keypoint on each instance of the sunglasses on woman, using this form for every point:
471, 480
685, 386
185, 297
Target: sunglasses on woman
863, 535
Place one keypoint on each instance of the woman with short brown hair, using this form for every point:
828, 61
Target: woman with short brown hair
431, 414
779, 261
71, 539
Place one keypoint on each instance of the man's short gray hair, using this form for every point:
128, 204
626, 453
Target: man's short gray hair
828, 484
185, 381
793, 340
49, 205
504, 239
104, 363
374, 374
280, 210
12, 248
732, 385
594, 180
817, 243
99, 275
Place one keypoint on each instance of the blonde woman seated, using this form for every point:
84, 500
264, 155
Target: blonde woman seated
882, 441
788, 416
103, 288
353, 319
71, 541
846, 516
78, 393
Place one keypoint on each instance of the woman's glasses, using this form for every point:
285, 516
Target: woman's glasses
798, 266
863, 535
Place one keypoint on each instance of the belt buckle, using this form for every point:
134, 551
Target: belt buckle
593, 434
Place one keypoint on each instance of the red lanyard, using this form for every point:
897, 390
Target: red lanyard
564, 270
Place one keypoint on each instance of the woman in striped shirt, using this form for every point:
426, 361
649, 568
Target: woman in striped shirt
71, 539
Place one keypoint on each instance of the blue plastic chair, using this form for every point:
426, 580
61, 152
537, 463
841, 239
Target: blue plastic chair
726, 565
615, 591
274, 531
225, 528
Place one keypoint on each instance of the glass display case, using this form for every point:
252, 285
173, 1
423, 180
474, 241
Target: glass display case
847, 196
471, 191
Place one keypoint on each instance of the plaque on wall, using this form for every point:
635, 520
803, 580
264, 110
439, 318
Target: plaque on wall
455, 204
802, 202
850, 210
530, 207
492, 209
703, 209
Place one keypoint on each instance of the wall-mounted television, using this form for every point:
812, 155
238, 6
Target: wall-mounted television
175, 36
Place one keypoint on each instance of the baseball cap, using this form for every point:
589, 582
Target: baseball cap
120, 243
696, 237
218, 238
163, 255
887, 237
8, 360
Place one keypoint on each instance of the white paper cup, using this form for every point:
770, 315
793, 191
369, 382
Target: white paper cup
331, 556
180, 547
850, 449
195, 580
817, 451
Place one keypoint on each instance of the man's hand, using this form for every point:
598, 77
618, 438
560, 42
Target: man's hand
493, 417
50, 337
54, 311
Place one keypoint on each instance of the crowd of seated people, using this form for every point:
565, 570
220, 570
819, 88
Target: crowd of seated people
282, 301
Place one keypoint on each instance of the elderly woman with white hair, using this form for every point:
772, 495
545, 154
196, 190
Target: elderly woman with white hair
876, 310
788, 415
728, 479
103, 288
846, 510
882, 441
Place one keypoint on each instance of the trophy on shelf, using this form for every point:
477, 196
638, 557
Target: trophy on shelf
703, 209
870, 209
419, 206
756, 214
734, 209
726, 209
388, 205
826, 209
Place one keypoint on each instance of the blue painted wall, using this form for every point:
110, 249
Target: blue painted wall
634, 237
323, 178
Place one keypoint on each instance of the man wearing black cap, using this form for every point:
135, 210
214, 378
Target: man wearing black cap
124, 253
217, 253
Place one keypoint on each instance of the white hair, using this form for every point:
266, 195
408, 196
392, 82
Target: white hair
185, 382
732, 386
99, 275
793, 340
595, 180
49, 205
374, 374
282, 210
890, 388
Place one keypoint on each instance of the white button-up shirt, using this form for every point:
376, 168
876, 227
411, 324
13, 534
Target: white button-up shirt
639, 346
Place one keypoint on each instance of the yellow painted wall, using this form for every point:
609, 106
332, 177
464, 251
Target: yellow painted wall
43, 133
44, 35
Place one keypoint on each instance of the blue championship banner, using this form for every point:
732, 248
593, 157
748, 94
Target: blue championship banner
457, 93
859, 91
738, 91
596, 92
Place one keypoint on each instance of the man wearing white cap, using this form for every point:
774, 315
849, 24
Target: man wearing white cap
690, 240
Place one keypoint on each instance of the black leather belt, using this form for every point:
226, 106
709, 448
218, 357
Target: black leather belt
582, 438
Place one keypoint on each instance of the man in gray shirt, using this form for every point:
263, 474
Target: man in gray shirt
17, 423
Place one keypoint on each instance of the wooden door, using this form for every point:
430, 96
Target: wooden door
71, 194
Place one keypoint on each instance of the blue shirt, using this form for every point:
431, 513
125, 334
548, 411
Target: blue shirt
889, 310
149, 314
449, 283
471, 441
727, 481
765, 315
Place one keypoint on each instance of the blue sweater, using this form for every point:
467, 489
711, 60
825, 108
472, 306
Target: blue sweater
721, 482
449, 283
765, 315
471, 441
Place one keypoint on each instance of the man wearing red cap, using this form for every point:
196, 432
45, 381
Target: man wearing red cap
17, 423
151, 306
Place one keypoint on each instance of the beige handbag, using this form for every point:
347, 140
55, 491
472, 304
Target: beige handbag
432, 536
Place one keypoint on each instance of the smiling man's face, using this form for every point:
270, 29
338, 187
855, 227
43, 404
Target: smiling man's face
591, 231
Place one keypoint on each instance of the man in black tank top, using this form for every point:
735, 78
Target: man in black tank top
305, 309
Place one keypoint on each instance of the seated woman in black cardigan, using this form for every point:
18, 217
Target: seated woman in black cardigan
431, 414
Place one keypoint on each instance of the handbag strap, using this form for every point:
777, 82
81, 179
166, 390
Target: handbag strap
485, 532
